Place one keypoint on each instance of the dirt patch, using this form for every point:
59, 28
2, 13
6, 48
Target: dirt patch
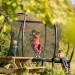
73, 67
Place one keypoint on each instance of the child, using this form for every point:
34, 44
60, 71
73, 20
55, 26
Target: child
63, 60
36, 43
12, 52
13, 49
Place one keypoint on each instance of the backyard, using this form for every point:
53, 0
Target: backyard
35, 35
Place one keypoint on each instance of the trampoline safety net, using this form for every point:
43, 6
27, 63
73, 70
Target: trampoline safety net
47, 37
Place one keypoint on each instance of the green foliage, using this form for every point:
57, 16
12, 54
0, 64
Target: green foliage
47, 10
68, 35
1, 20
4, 39
49, 72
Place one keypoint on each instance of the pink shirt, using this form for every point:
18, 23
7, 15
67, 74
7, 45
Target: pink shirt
36, 39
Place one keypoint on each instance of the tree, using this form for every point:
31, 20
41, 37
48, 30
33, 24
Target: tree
4, 37
47, 10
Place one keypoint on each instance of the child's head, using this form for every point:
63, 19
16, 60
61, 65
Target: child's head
14, 42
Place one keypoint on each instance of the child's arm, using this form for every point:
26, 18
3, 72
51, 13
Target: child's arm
37, 36
58, 55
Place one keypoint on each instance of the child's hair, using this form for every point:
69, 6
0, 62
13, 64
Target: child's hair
60, 51
34, 31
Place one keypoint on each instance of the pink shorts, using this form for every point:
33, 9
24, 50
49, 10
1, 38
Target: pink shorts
37, 48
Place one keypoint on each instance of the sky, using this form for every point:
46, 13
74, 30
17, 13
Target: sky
73, 1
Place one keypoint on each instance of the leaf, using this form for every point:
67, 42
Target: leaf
6, 28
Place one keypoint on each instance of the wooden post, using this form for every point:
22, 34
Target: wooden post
23, 30
52, 66
55, 48
18, 39
55, 27
44, 41
42, 63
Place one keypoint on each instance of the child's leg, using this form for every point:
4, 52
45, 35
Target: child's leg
64, 65
38, 55
65, 61
35, 54
61, 63
39, 46
37, 51
36, 48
